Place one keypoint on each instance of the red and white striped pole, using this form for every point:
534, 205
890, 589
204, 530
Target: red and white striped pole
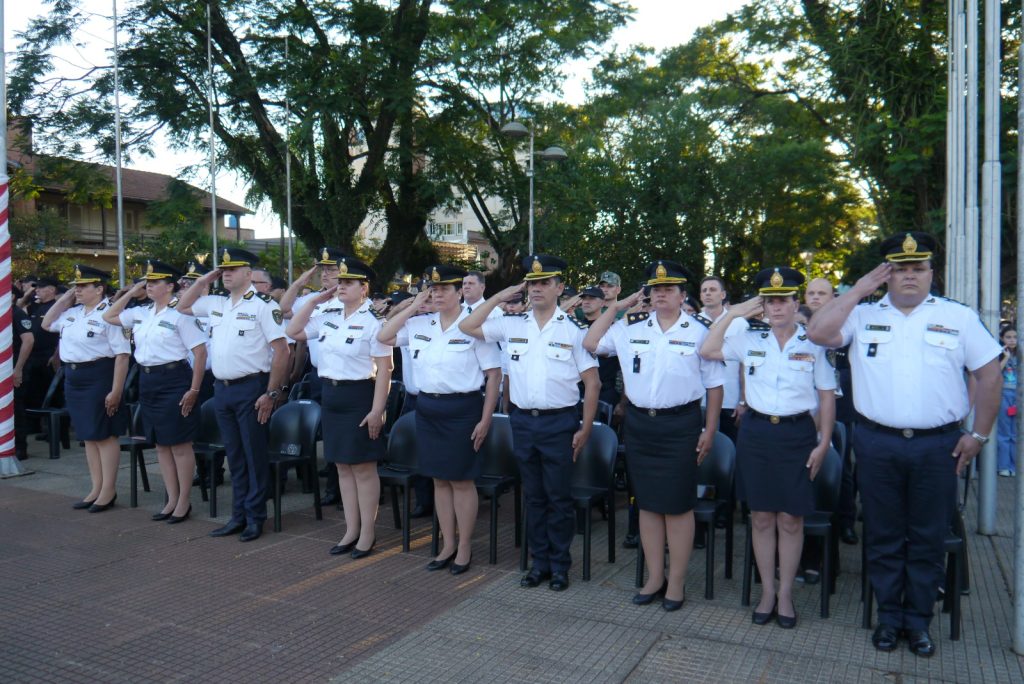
8, 462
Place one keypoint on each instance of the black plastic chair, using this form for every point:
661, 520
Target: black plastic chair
397, 470
499, 473
209, 446
604, 412
300, 390
293, 431
839, 437
135, 443
393, 406
817, 524
593, 483
56, 416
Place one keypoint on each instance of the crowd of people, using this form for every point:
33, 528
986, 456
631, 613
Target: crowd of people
774, 374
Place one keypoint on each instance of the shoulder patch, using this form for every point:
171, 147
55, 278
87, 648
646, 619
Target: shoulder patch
101, 307
639, 317
703, 320
575, 321
173, 303
278, 316
758, 326
265, 297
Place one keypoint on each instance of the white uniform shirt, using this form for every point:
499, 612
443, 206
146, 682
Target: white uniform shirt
164, 336
347, 345
87, 337
731, 386
908, 370
661, 369
544, 365
446, 361
240, 333
780, 382
496, 312
313, 344
408, 374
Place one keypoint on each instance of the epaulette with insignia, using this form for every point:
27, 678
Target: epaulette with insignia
703, 320
265, 297
948, 299
638, 317
101, 307
249, 295
759, 326
173, 303
219, 292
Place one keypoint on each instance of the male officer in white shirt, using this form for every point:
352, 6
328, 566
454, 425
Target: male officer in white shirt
908, 353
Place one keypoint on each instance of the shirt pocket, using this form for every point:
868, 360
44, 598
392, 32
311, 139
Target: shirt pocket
556, 352
245, 328
516, 348
941, 349
874, 344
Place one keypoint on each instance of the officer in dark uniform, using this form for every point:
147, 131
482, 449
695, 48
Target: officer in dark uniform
591, 306
95, 357
908, 352
40, 368
249, 357
21, 332
546, 361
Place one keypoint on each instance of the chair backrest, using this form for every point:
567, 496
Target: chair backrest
53, 389
393, 407
827, 482
209, 429
839, 437
130, 389
402, 442
719, 467
497, 454
293, 428
299, 390
596, 463
136, 426
604, 412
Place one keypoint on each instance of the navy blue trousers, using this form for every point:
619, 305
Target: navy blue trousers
543, 448
908, 491
245, 444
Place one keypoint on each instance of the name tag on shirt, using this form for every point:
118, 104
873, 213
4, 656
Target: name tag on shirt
801, 356
168, 325
683, 343
424, 338
217, 313
756, 352
560, 345
330, 325
517, 340
458, 340
936, 328
639, 341
96, 323
245, 317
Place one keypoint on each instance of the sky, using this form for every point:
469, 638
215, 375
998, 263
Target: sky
656, 23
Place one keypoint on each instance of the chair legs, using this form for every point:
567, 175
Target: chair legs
748, 565
638, 581
826, 574
435, 534
137, 464
611, 524
586, 544
493, 550
524, 548
406, 511
709, 562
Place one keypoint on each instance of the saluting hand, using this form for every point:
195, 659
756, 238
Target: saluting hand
571, 303
511, 293
751, 308
704, 443
630, 301
815, 460
326, 295
306, 276
374, 423
873, 280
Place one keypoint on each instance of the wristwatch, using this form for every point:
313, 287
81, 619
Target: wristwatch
981, 438
273, 394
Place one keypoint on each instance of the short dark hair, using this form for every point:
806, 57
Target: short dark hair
478, 275
718, 280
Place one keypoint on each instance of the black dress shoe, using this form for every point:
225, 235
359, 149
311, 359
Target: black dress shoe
671, 605
363, 553
646, 599
812, 577
848, 536
157, 517
630, 541
440, 564
458, 569
921, 643
885, 637
421, 511
785, 621
252, 531
329, 499
228, 530
339, 549
763, 618
534, 578
174, 519
559, 581
83, 504
99, 508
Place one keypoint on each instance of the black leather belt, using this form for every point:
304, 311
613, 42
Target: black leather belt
775, 420
670, 411
434, 395
339, 383
545, 412
86, 364
161, 367
244, 378
910, 433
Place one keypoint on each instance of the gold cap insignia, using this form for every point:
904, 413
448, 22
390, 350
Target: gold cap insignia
325, 256
537, 267
191, 268
78, 273
435, 277
909, 244
661, 271
227, 256
149, 267
201, 258
777, 280
342, 267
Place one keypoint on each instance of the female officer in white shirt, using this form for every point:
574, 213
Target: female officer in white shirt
779, 450
452, 416
168, 385
95, 359
355, 371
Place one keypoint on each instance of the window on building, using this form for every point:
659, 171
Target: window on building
445, 231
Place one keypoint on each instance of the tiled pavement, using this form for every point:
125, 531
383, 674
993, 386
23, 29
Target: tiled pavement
117, 598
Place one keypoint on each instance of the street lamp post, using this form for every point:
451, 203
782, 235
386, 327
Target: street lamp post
516, 130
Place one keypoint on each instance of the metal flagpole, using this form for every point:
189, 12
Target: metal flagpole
117, 158
1018, 508
288, 167
991, 256
970, 263
9, 466
213, 150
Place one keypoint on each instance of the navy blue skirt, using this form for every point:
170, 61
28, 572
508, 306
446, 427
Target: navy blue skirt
86, 386
160, 390
444, 424
343, 409
661, 458
771, 465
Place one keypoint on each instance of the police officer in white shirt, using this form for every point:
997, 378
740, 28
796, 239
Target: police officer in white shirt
95, 359
168, 384
473, 292
452, 416
779, 450
907, 355
665, 379
355, 373
546, 361
249, 357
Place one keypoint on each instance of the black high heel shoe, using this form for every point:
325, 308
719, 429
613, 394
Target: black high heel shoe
764, 618
83, 504
647, 599
440, 563
340, 548
175, 519
457, 569
99, 508
363, 553
157, 517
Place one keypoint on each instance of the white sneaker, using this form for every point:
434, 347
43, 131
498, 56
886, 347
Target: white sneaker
1005, 473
